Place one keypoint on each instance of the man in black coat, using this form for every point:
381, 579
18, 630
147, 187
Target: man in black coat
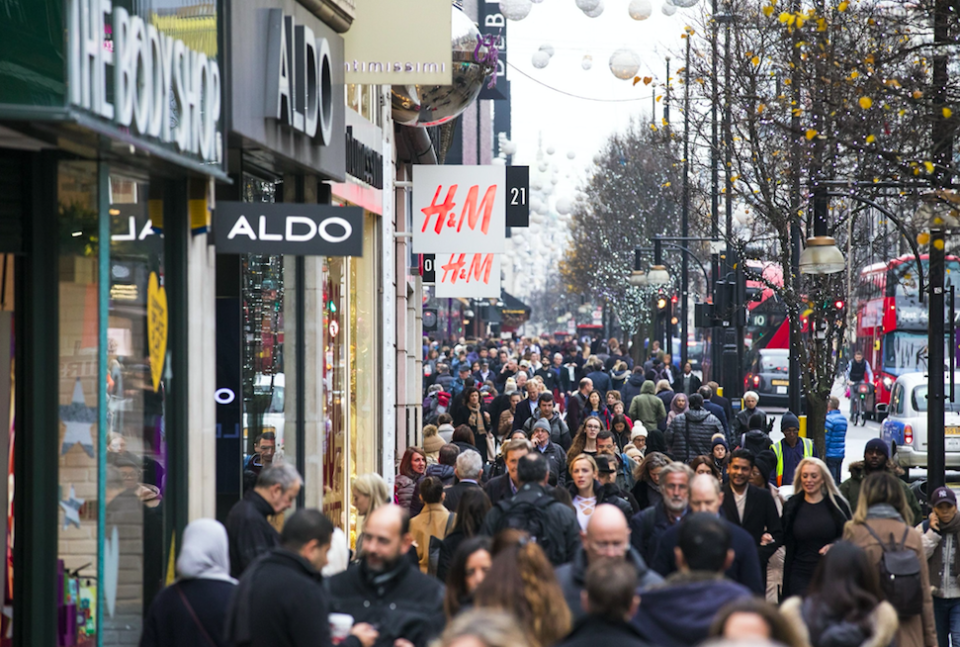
556, 457
686, 383
706, 496
647, 526
750, 507
576, 404
558, 531
707, 394
611, 600
506, 485
280, 601
607, 538
248, 528
387, 589
527, 408
467, 471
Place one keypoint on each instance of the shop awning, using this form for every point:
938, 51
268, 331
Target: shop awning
513, 307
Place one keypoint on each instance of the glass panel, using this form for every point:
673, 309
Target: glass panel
364, 353
7, 417
78, 394
32, 41
334, 386
137, 375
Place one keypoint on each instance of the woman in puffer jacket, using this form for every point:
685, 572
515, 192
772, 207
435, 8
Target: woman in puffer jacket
844, 604
412, 467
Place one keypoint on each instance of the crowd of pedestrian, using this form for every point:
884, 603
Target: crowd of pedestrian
559, 502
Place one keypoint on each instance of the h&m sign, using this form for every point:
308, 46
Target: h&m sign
288, 228
299, 78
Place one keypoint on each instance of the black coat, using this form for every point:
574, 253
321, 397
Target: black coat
606, 494
408, 605
498, 489
840, 516
724, 403
448, 548
695, 384
645, 532
744, 570
523, 414
594, 630
454, 492
572, 579
249, 531
576, 403
561, 522
759, 516
169, 623
280, 602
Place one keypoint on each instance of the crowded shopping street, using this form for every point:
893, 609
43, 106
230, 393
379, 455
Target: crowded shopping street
479, 323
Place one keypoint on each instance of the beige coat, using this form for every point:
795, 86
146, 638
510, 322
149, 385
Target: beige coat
431, 522
883, 619
918, 631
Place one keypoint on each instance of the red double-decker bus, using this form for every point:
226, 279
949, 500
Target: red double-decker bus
892, 322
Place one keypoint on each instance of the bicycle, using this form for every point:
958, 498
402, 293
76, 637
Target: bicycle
858, 399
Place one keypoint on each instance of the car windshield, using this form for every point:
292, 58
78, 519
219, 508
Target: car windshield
774, 364
920, 397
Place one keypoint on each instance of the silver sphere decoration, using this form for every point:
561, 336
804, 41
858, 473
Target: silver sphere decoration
571, 155
587, 5
515, 9
624, 63
551, 150
431, 105
564, 206
540, 60
587, 62
548, 49
684, 4
508, 148
668, 9
554, 180
640, 9
542, 167
593, 13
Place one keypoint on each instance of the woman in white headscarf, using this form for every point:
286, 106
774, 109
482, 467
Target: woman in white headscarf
193, 610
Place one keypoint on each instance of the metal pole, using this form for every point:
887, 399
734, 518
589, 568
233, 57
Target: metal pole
716, 334
795, 235
936, 464
685, 211
666, 100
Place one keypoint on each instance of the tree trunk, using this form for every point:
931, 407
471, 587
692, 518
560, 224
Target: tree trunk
816, 421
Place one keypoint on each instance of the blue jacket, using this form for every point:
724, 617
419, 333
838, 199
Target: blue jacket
836, 427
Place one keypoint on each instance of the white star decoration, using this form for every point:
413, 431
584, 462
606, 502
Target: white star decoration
71, 509
78, 419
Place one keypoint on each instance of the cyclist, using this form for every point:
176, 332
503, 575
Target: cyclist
858, 371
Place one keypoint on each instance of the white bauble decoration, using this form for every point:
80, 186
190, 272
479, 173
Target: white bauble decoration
587, 5
540, 60
548, 49
683, 4
587, 62
554, 180
593, 13
536, 184
564, 206
571, 155
515, 9
508, 148
625, 63
551, 150
597, 159
547, 189
640, 9
543, 167
499, 161
536, 219
668, 9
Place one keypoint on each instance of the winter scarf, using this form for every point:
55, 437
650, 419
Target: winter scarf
936, 560
675, 408
883, 511
477, 422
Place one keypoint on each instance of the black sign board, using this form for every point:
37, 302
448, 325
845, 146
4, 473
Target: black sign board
428, 268
493, 26
288, 228
518, 196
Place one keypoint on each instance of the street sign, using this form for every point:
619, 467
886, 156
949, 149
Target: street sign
428, 268
288, 228
474, 276
459, 208
518, 196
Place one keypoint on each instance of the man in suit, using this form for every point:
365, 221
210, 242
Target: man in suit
750, 507
576, 403
528, 407
506, 485
687, 383
467, 470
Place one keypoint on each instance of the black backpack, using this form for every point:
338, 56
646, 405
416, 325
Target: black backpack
900, 575
531, 518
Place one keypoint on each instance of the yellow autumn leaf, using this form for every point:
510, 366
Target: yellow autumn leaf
665, 122
923, 238
821, 24
636, 80
917, 94
811, 133
871, 139
869, 59
767, 11
653, 126
665, 184
761, 108
799, 22
843, 6
755, 60
865, 102
928, 166
854, 74
947, 113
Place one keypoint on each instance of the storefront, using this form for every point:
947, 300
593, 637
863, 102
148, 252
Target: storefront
107, 169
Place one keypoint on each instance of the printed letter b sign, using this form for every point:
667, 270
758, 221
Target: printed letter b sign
459, 209
288, 228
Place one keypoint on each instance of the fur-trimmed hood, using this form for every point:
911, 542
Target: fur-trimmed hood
857, 471
883, 620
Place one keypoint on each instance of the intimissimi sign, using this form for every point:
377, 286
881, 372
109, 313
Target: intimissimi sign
160, 88
363, 162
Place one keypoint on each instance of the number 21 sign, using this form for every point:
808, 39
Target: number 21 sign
459, 209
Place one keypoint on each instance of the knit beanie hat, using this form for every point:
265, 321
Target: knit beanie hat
766, 462
638, 430
789, 420
511, 386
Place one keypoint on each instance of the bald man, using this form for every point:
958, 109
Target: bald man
607, 535
707, 496
387, 590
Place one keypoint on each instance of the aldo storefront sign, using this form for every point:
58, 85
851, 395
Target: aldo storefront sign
286, 86
125, 70
288, 228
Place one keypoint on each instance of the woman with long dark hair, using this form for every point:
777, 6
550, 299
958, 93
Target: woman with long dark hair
844, 604
585, 442
473, 414
412, 467
468, 568
647, 475
471, 510
595, 408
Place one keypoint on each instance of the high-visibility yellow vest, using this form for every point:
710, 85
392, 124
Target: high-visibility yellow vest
778, 450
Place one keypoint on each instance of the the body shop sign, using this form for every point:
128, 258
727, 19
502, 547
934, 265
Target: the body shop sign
161, 88
459, 209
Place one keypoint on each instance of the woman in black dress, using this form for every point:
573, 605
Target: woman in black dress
813, 519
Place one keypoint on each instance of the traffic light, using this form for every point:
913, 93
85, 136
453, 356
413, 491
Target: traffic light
674, 299
661, 303
838, 304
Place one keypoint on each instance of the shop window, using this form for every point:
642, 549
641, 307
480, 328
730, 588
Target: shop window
335, 396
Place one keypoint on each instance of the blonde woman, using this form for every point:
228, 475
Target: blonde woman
813, 518
883, 515
370, 492
586, 491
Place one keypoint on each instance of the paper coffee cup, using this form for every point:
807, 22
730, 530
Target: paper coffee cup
340, 626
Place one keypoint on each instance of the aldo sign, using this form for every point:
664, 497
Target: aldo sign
288, 228
160, 88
